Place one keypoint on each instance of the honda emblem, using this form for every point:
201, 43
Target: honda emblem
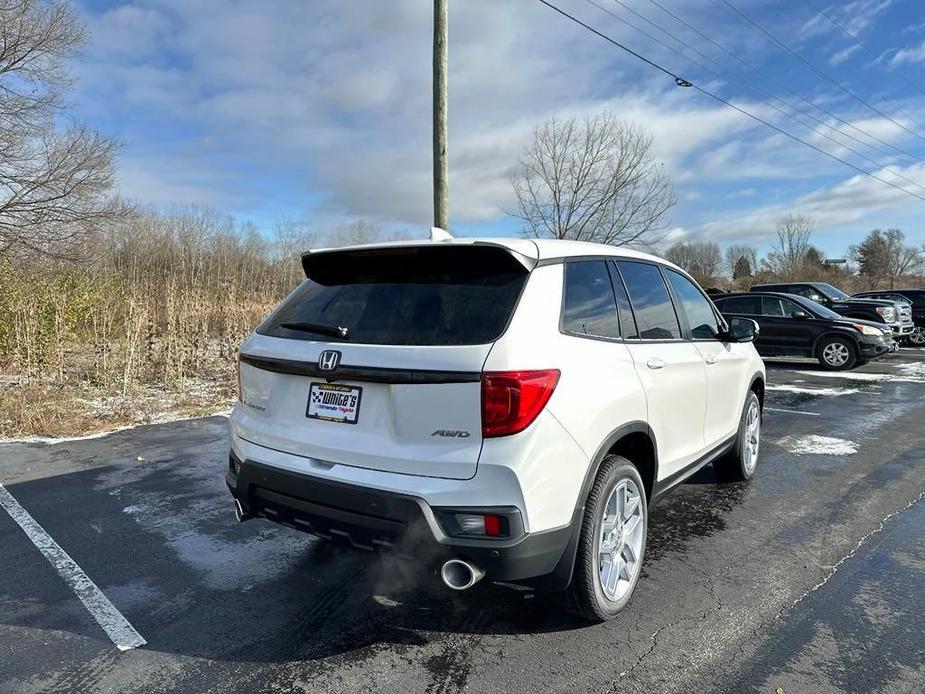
328, 360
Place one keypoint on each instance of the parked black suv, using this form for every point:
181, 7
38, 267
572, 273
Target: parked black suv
897, 315
916, 297
796, 326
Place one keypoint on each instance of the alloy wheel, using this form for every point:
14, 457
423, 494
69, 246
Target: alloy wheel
752, 438
620, 540
836, 354
917, 336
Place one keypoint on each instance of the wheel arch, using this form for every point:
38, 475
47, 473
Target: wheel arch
836, 333
756, 386
636, 442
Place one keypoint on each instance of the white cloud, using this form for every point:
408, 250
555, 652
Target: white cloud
841, 56
851, 200
910, 54
220, 96
856, 17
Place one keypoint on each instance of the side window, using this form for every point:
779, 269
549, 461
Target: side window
697, 308
627, 322
589, 307
745, 305
790, 308
771, 306
808, 292
652, 307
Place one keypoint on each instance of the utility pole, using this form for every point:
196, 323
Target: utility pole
441, 202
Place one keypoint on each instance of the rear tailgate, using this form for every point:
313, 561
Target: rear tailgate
404, 395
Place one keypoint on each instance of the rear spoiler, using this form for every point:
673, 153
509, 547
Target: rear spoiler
526, 260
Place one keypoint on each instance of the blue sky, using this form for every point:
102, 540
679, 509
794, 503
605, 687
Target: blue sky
320, 111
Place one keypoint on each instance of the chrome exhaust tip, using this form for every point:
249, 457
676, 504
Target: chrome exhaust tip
460, 575
240, 514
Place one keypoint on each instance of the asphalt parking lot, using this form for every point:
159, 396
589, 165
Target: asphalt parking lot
809, 579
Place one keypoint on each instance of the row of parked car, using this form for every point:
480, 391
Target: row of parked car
815, 319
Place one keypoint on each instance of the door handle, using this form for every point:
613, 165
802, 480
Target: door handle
710, 359
655, 363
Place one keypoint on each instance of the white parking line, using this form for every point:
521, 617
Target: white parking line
112, 621
780, 409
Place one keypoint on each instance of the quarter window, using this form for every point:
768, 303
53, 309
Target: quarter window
652, 307
627, 322
589, 307
696, 307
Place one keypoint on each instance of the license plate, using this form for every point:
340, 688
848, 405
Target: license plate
334, 403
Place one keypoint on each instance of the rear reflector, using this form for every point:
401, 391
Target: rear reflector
478, 524
511, 400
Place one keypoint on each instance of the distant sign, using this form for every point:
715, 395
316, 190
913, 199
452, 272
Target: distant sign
836, 261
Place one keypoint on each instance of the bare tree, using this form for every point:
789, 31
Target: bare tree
54, 184
789, 253
593, 180
884, 255
740, 260
360, 232
701, 259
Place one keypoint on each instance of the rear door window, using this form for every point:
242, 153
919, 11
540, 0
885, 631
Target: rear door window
771, 306
589, 307
696, 307
746, 305
781, 308
416, 295
652, 307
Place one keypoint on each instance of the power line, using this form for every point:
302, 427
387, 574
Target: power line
780, 85
889, 102
681, 82
764, 101
757, 28
858, 41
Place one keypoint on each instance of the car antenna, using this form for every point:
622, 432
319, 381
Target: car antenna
438, 234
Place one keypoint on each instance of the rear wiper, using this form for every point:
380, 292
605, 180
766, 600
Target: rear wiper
320, 328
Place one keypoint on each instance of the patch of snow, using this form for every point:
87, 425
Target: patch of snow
162, 418
817, 445
910, 373
812, 391
848, 376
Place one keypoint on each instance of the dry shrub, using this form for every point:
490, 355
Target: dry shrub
166, 304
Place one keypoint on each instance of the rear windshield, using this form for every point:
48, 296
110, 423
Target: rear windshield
432, 295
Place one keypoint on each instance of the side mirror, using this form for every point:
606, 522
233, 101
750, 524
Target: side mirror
799, 315
741, 330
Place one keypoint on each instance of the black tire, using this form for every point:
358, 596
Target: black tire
733, 466
852, 354
586, 596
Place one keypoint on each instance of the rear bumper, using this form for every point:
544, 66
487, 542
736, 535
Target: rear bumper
373, 519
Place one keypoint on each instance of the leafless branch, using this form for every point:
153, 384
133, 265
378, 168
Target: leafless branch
593, 180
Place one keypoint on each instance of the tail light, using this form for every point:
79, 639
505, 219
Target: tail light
511, 400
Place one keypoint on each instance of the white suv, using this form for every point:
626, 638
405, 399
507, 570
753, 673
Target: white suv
497, 407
